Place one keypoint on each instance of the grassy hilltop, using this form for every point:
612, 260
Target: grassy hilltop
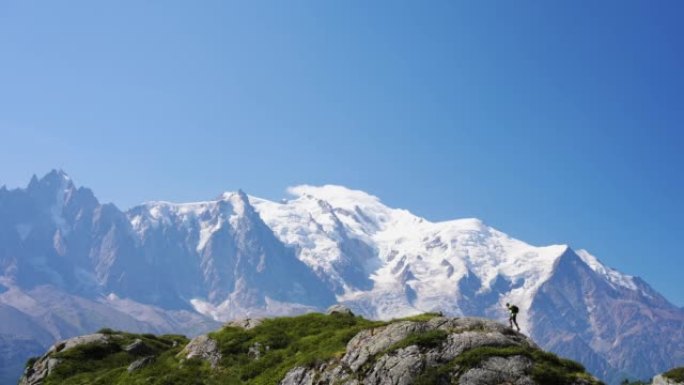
312, 343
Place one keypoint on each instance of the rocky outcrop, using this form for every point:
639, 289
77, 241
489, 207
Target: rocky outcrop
245, 323
138, 348
660, 380
672, 377
407, 352
36, 373
316, 349
140, 363
339, 309
500, 370
204, 348
80, 355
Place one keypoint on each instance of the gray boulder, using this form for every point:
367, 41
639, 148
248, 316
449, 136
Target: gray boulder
339, 309
661, 380
370, 342
46, 364
202, 347
500, 370
138, 348
78, 341
255, 351
245, 323
299, 376
400, 368
140, 363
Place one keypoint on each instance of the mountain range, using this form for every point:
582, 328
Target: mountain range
70, 265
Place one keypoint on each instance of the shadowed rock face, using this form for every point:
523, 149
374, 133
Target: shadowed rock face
579, 315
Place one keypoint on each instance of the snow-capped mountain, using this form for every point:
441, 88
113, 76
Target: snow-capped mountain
400, 264
61, 254
176, 265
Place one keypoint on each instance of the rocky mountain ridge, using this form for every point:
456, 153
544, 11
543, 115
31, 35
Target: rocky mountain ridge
69, 263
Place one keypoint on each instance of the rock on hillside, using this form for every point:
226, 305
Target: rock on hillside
314, 349
671, 377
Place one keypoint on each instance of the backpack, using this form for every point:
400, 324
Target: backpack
514, 309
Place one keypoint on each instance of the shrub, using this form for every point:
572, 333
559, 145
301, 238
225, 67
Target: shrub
31, 361
628, 382
427, 339
421, 317
676, 374
436, 375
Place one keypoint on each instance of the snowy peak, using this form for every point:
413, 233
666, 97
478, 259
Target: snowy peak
338, 196
613, 276
53, 197
398, 263
240, 202
201, 219
356, 209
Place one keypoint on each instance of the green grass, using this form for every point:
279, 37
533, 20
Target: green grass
419, 317
292, 341
106, 363
426, 339
436, 375
284, 343
676, 374
547, 368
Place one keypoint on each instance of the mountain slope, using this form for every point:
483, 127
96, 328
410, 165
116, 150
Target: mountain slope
411, 264
617, 322
174, 266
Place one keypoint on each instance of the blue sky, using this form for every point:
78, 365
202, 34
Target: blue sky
556, 123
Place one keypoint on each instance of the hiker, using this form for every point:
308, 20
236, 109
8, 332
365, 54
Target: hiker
513, 313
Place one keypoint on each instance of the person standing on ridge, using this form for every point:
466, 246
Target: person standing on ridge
513, 314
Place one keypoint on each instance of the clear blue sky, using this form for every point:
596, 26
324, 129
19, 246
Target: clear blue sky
556, 123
